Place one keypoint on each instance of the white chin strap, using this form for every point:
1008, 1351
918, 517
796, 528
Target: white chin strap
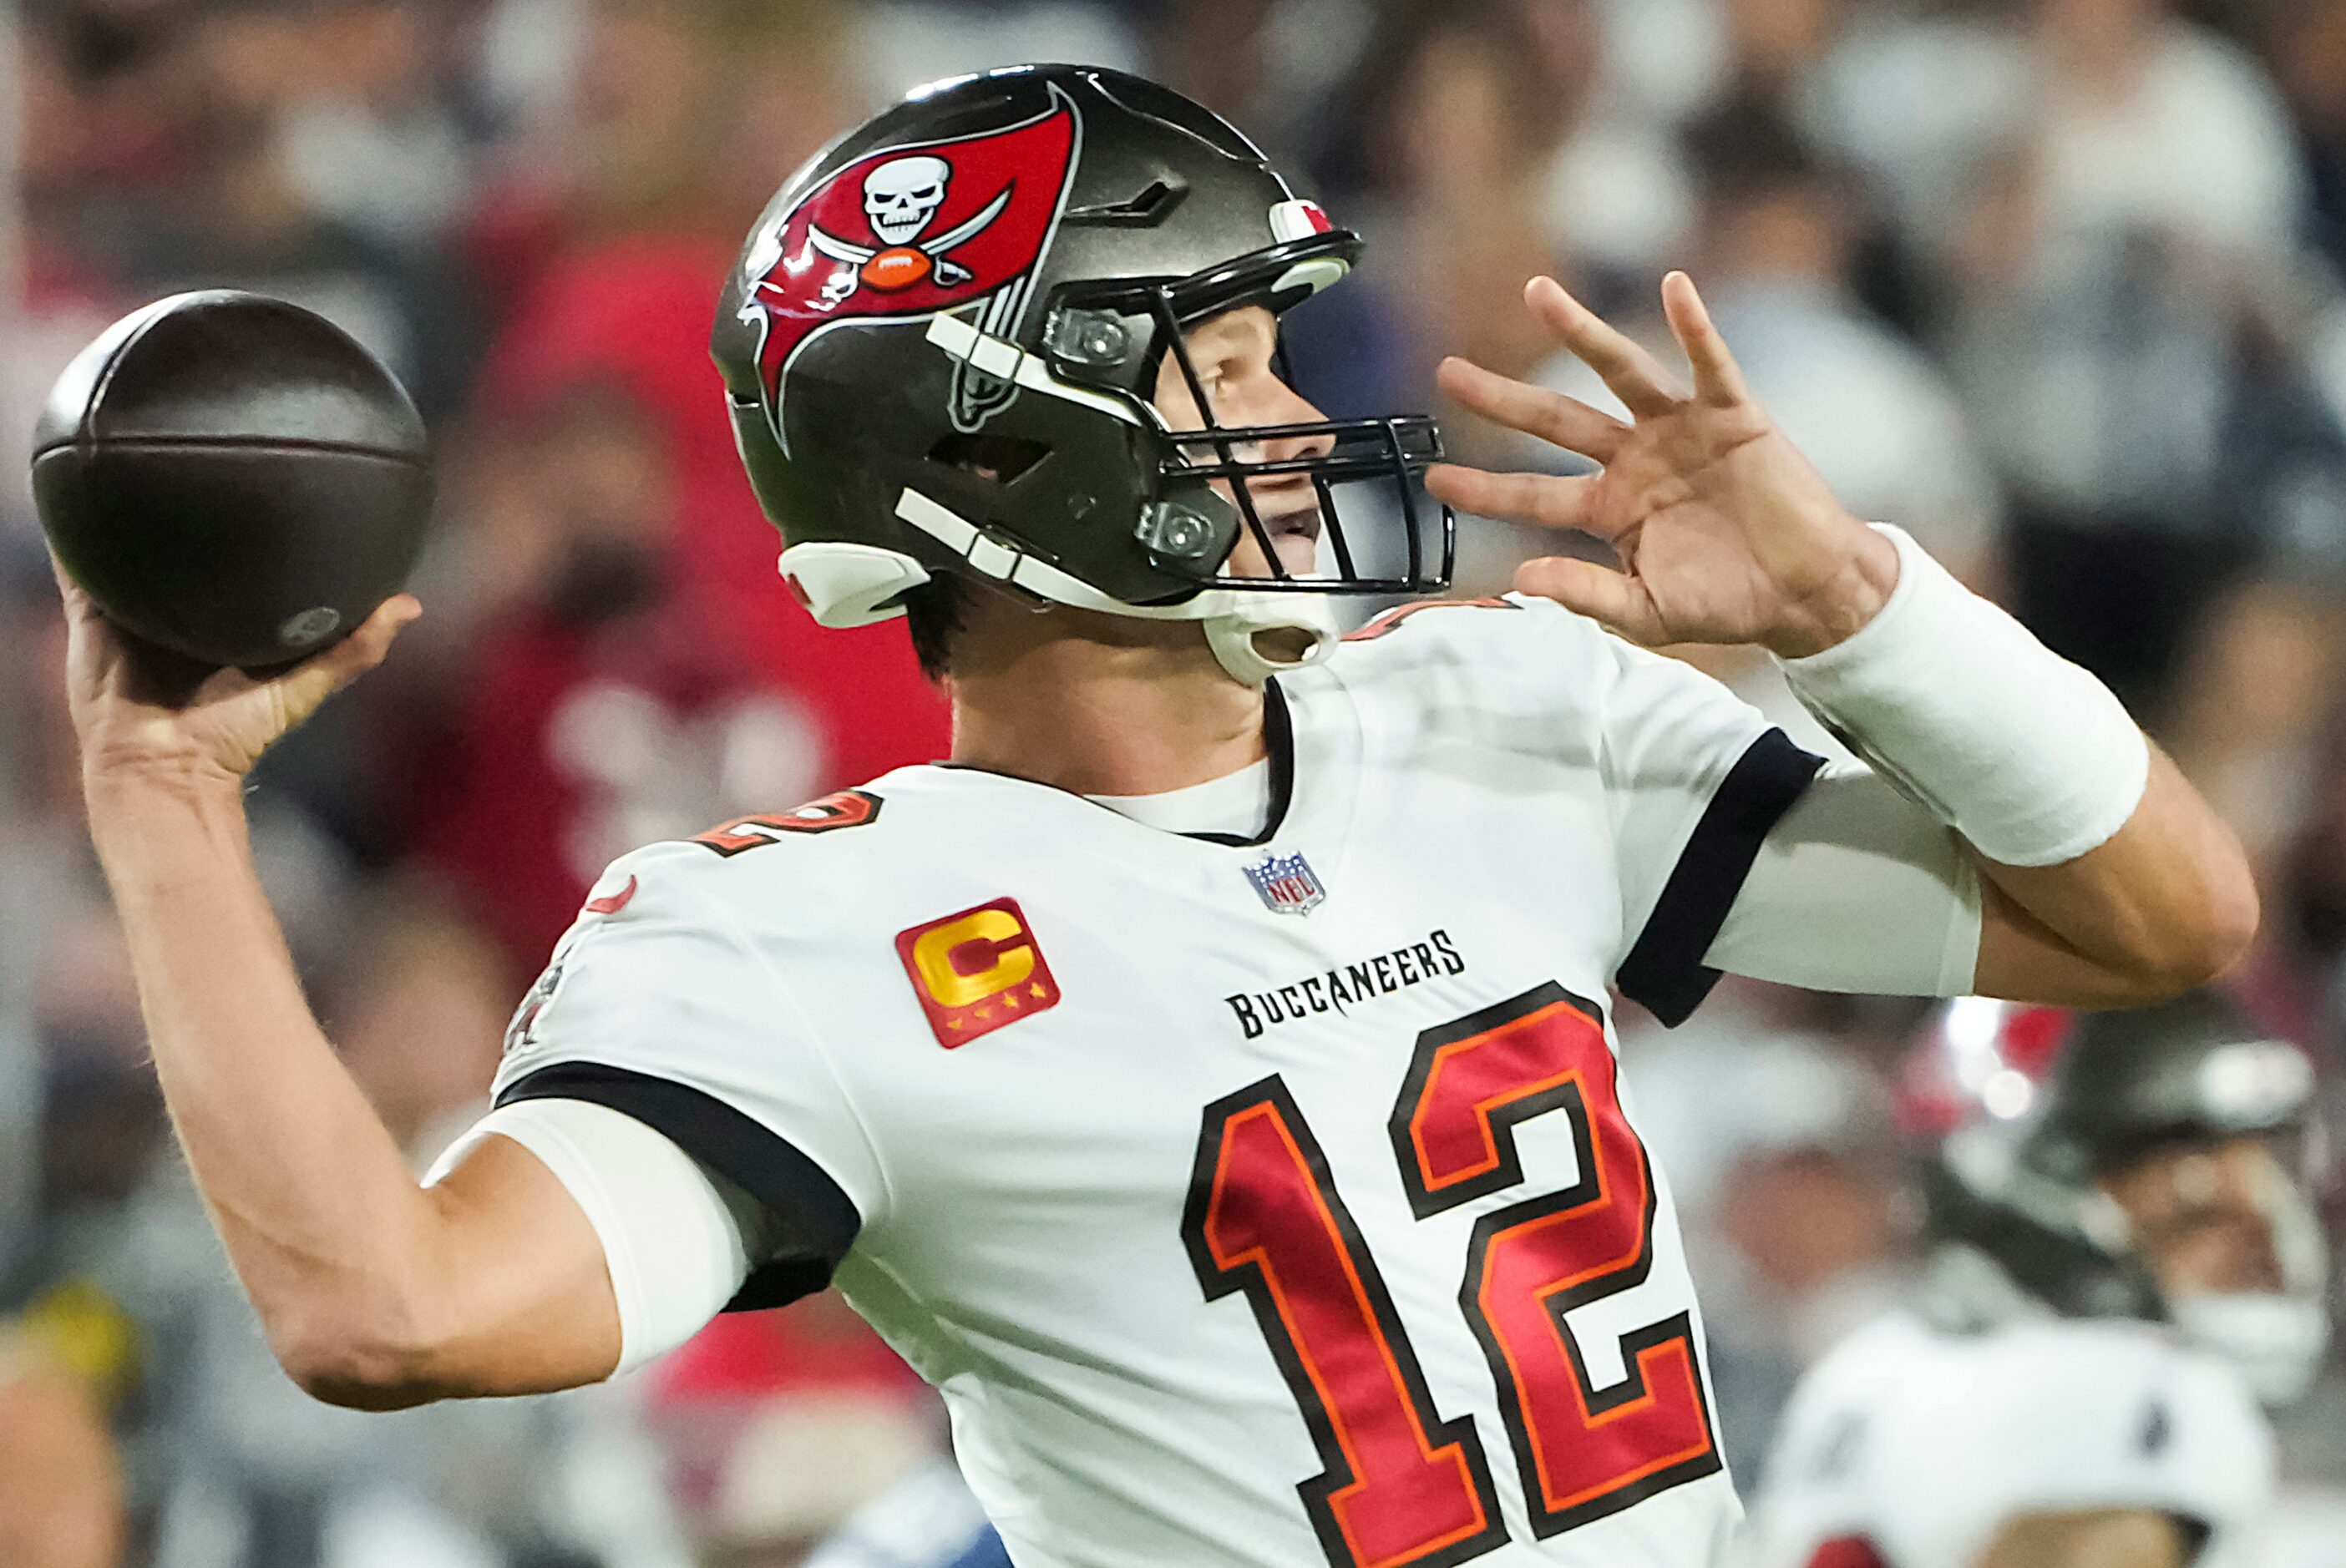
1258, 636
1254, 636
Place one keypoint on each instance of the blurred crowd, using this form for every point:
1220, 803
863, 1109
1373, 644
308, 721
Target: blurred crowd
2056, 284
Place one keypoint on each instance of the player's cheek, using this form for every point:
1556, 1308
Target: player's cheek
1246, 558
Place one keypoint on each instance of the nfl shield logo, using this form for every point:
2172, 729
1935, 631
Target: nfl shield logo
1286, 883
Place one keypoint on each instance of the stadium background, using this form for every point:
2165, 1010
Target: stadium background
2054, 284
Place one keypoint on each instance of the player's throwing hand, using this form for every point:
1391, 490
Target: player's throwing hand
131, 719
1726, 534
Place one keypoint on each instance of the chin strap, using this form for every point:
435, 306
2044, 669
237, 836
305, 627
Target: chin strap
1254, 636
1301, 622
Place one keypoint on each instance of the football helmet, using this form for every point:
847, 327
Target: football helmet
2025, 1113
941, 342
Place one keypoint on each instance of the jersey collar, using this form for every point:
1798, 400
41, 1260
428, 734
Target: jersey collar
1278, 739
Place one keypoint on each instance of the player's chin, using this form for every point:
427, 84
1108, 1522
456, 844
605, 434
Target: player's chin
1299, 552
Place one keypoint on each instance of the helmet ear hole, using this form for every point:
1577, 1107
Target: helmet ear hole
999, 459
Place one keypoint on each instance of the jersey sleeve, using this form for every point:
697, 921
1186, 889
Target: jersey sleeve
655, 1006
1694, 779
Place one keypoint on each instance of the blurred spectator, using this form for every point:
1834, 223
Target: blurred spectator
1619, 198
2107, 273
60, 1480
1783, 1167
1446, 181
634, 315
786, 1425
1772, 249
2148, 122
607, 702
687, 114
2308, 51
237, 214
374, 143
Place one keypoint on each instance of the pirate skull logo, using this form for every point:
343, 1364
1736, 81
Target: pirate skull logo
901, 197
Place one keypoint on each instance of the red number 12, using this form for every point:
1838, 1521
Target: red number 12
1402, 1486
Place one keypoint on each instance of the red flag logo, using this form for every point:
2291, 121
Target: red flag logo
911, 231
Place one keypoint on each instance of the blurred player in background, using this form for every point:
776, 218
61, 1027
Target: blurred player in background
1203, 1078
2127, 1261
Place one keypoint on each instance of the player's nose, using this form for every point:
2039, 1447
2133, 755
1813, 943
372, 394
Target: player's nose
1286, 406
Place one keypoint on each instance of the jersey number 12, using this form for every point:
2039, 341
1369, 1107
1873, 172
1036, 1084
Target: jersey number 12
1400, 1485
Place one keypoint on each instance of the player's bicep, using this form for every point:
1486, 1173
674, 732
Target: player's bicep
1856, 889
665, 1244
515, 1279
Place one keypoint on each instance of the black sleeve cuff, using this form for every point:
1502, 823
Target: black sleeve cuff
1664, 971
814, 1221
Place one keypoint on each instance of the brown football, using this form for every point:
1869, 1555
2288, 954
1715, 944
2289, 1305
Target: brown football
232, 477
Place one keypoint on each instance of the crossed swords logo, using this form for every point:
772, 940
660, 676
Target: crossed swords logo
901, 199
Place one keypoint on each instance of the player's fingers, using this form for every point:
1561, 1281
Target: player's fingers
1717, 377
79, 605
1550, 501
367, 646
1552, 417
1635, 377
1611, 599
303, 689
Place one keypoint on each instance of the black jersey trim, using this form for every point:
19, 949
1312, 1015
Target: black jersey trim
1279, 741
814, 1221
1664, 971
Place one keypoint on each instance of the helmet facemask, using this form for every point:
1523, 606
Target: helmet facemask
1112, 338
1103, 345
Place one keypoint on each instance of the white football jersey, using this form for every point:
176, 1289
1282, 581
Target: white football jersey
1911, 1446
1266, 1202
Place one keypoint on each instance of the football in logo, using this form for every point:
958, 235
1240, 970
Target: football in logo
910, 232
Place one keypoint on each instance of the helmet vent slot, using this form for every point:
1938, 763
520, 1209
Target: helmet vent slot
1150, 205
1000, 458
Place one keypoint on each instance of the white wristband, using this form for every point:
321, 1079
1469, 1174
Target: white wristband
2027, 755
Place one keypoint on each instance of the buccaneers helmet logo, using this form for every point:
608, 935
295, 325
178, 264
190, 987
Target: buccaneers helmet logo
908, 232
900, 200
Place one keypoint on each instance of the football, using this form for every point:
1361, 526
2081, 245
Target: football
232, 477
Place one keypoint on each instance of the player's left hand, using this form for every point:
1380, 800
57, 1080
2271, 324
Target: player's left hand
1725, 533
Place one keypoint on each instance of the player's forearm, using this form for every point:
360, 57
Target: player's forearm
2166, 903
2122, 884
320, 1213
